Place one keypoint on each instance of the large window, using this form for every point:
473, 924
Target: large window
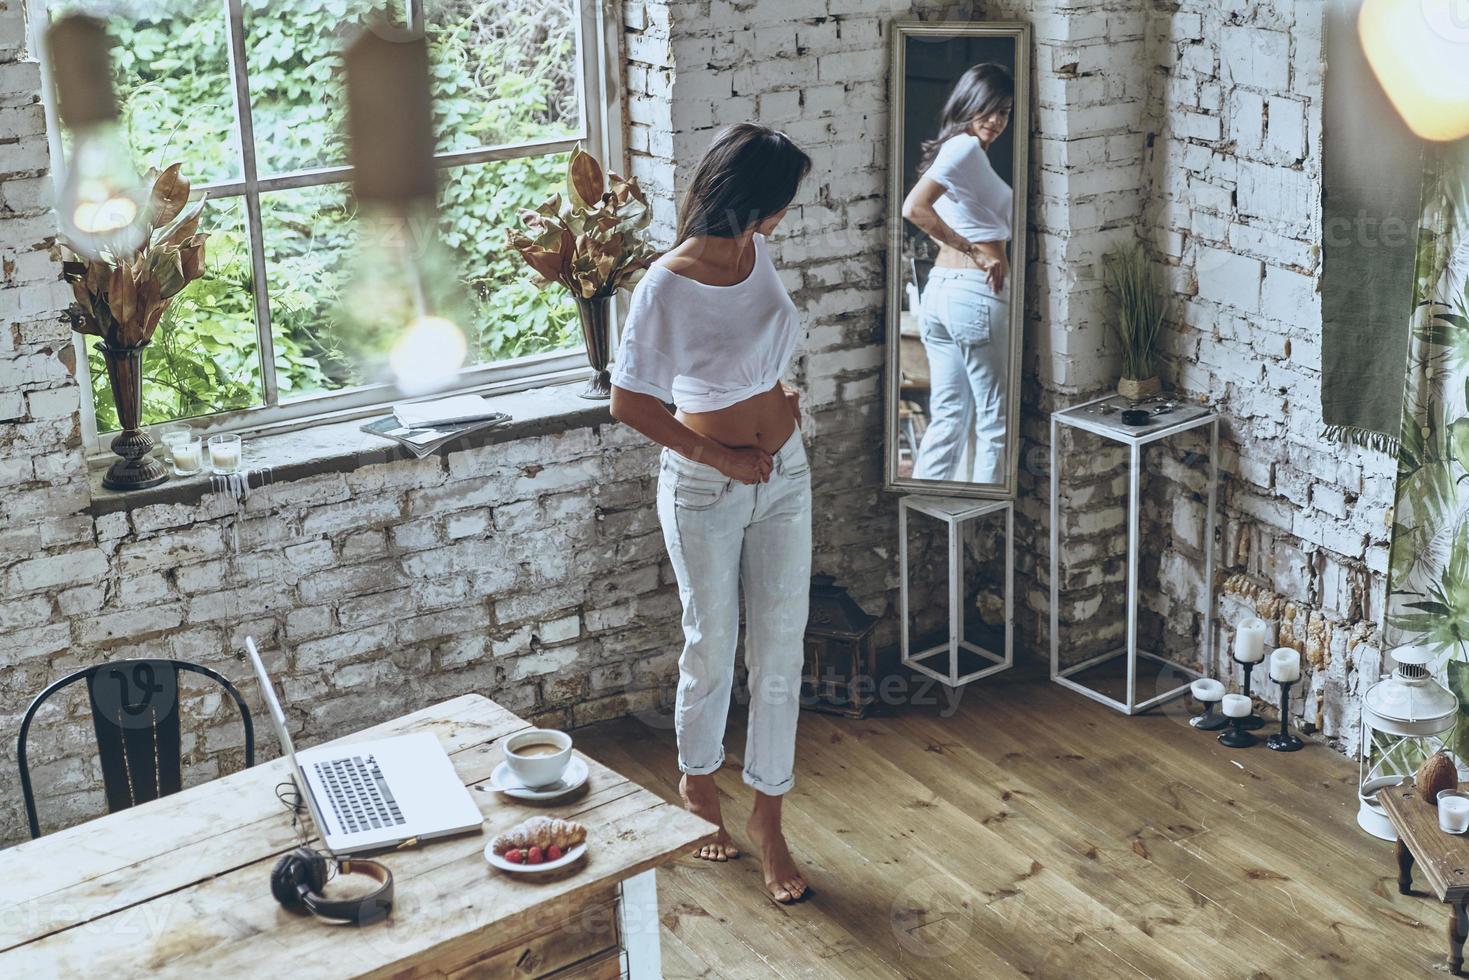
248, 95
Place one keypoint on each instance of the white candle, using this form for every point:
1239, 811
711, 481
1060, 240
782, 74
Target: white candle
1207, 690
1236, 706
188, 457
1285, 666
1249, 641
1453, 811
224, 453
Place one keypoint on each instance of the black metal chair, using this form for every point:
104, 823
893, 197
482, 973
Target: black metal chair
135, 714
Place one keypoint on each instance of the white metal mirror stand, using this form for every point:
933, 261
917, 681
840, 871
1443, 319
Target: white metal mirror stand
1088, 418
955, 512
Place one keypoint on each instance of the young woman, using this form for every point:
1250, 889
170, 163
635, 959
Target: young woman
711, 329
965, 206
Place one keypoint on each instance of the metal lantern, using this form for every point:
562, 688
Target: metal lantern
1405, 718
840, 668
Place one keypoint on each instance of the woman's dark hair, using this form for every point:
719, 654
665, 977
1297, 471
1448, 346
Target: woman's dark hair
981, 90
748, 173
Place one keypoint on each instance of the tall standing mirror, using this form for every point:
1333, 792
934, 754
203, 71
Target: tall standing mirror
956, 255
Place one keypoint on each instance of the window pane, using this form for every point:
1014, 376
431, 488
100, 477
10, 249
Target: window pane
503, 72
310, 243
294, 54
203, 358
477, 204
310, 251
174, 86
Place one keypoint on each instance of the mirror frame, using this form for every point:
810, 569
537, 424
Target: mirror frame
1020, 122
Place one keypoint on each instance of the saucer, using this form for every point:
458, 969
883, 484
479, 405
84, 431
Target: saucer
505, 781
525, 869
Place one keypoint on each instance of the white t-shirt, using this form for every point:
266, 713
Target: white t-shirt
977, 203
707, 347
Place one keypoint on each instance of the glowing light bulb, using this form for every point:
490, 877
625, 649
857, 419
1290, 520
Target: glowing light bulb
1419, 50
101, 207
428, 355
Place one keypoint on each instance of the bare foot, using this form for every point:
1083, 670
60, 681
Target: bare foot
783, 879
701, 798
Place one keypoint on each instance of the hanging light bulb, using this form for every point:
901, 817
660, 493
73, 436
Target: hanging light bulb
1419, 50
103, 205
404, 299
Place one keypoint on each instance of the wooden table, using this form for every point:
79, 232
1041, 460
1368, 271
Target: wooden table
180, 886
1443, 859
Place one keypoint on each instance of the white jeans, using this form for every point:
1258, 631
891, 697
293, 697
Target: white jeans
966, 333
722, 534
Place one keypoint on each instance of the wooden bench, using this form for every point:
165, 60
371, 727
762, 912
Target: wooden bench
1443, 859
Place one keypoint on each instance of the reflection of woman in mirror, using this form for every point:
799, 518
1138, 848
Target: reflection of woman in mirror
964, 316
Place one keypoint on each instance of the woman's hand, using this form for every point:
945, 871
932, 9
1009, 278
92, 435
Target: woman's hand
748, 464
998, 272
793, 399
994, 264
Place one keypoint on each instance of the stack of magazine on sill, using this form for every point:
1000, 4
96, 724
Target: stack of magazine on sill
424, 427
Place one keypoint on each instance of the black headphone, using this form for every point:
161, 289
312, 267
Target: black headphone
299, 877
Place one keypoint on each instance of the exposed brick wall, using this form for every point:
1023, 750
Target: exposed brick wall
1235, 213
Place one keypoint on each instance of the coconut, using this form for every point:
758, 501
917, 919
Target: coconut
1437, 773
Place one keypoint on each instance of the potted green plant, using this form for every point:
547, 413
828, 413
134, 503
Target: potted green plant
592, 243
1128, 275
121, 295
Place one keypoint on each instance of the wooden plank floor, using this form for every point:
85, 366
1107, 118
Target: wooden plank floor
1036, 833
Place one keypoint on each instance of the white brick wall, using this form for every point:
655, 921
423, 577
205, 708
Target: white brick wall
1235, 216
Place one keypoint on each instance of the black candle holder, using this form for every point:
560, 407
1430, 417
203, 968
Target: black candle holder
1237, 737
1283, 740
1211, 720
1252, 721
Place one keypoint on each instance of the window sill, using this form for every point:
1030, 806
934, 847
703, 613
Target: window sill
340, 447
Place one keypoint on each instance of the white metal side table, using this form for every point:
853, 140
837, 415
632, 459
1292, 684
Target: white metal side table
955, 512
1102, 417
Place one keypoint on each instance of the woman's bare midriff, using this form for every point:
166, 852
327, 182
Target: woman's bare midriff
952, 258
764, 420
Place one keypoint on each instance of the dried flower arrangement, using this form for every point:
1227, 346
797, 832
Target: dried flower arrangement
595, 241
123, 295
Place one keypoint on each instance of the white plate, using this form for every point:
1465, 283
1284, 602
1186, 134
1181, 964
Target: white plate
572, 777
522, 869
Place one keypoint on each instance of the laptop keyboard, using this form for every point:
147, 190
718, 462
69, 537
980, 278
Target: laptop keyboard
358, 794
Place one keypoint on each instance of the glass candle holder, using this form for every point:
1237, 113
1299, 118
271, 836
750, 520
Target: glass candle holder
188, 456
1453, 811
224, 453
172, 434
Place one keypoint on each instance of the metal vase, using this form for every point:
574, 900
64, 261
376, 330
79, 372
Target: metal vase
594, 314
136, 470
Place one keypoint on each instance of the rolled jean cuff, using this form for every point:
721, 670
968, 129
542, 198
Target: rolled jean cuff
701, 770
769, 789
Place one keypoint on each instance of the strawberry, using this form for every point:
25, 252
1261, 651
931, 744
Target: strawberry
535, 856
515, 856
553, 853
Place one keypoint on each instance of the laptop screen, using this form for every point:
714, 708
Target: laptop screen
278, 718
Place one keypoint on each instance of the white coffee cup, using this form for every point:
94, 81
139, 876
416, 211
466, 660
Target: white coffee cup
538, 768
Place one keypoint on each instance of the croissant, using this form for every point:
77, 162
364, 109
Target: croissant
540, 832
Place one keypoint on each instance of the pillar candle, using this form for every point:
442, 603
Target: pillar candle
1249, 641
1205, 689
1285, 666
1236, 706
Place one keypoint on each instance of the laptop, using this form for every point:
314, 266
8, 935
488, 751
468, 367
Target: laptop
368, 796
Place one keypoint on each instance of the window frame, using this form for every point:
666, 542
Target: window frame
598, 47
